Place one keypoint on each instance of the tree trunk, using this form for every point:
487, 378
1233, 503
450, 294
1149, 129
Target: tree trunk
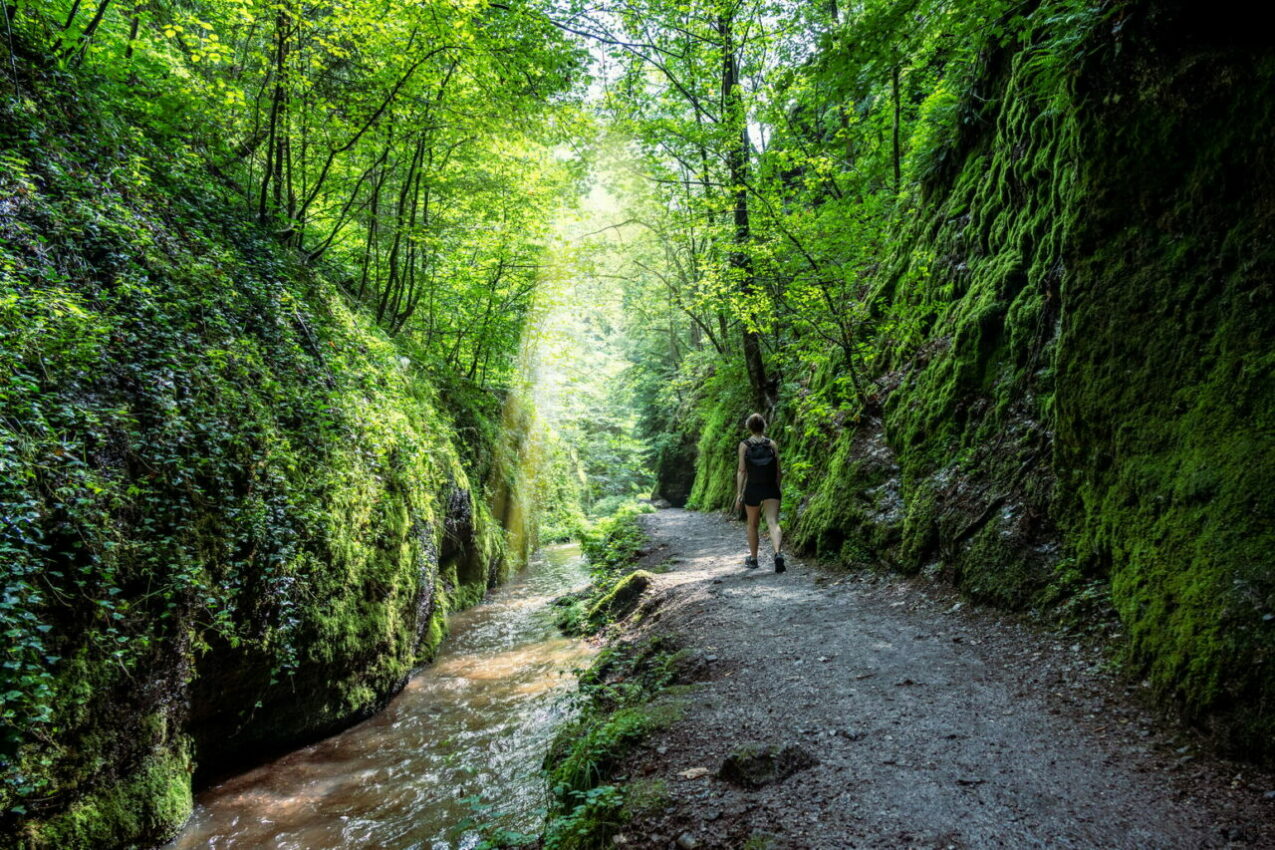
274, 146
737, 161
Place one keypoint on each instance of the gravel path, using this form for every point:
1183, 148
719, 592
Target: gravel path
934, 725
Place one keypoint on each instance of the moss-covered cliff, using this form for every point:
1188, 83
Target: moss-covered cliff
1072, 388
235, 512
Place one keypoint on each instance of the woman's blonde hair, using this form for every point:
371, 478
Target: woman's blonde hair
756, 423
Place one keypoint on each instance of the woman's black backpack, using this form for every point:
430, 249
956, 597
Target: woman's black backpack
760, 457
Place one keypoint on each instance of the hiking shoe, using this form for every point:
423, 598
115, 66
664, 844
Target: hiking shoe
779, 563
750, 562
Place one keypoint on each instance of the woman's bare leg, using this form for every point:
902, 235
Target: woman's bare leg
771, 507
754, 516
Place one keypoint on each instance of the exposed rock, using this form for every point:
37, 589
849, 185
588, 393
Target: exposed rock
756, 765
623, 597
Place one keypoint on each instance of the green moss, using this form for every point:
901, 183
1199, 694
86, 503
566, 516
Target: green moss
231, 494
628, 695
620, 600
645, 798
598, 746
613, 543
1166, 417
434, 633
143, 810
720, 432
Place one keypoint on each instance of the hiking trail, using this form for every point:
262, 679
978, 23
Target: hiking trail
934, 724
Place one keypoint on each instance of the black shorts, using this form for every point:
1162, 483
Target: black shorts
755, 494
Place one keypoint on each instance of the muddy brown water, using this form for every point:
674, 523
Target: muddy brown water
474, 724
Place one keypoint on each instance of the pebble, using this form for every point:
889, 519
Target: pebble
710, 658
687, 841
1269, 795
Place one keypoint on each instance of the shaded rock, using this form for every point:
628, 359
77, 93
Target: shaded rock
621, 599
756, 765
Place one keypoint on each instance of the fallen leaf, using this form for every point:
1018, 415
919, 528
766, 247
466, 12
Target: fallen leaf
694, 772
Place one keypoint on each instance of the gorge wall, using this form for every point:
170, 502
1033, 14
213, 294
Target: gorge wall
1071, 397
236, 513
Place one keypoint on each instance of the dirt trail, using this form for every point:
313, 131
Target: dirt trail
935, 726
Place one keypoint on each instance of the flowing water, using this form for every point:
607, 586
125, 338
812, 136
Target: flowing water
475, 723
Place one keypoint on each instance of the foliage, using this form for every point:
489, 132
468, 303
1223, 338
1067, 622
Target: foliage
360, 135
297, 312
612, 546
946, 235
223, 485
626, 695
485, 819
614, 542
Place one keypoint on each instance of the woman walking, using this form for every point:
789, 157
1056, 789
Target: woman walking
757, 486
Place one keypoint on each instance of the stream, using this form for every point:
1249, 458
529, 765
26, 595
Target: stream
475, 723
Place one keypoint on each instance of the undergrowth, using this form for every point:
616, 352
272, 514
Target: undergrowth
612, 546
627, 694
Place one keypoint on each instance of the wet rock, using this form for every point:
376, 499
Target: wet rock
687, 841
757, 765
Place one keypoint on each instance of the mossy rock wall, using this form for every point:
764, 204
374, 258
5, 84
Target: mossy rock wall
1165, 410
237, 514
1081, 394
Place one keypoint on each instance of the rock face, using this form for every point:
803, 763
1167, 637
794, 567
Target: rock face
239, 525
675, 470
622, 599
1081, 415
756, 765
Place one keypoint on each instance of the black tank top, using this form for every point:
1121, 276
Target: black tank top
759, 460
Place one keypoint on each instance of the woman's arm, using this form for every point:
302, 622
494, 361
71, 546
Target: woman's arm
741, 475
